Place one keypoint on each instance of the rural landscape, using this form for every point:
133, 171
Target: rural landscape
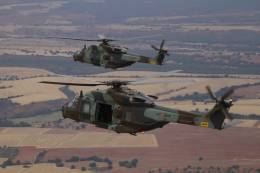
215, 43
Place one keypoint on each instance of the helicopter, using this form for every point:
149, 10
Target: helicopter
124, 110
112, 56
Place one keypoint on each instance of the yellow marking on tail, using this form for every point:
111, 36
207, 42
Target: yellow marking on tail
204, 124
152, 61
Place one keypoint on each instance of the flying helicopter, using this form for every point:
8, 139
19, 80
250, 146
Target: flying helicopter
112, 56
125, 110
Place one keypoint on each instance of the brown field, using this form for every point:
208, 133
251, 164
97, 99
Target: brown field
165, 85
47, 138
180, 146
40, 168
151, 83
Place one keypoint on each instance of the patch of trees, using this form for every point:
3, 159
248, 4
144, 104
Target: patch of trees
58, 162
92, 158
211, 169
93, 162
128, 163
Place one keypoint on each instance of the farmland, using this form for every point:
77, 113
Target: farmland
41, 168
214, 44
166, 86
47, 138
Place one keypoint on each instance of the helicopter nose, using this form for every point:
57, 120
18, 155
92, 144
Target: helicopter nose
75, 57
78, 57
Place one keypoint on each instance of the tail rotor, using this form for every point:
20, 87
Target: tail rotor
223, 103
161, 50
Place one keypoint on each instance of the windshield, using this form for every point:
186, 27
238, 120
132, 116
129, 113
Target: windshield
73, 102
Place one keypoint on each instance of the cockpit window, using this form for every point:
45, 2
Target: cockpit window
138, 100
73, 103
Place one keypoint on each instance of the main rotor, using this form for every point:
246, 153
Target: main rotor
102, 40
112, 83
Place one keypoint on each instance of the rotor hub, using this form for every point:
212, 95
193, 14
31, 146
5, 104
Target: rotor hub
116, 83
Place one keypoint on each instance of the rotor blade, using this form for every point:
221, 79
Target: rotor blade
155, 48
80, 39
61, 38
66, 83
212, 95
76, 39
227, 115
162, 44
227, 94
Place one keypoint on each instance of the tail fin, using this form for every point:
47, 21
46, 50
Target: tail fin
218, 114
216, 118
159, 58
161, 53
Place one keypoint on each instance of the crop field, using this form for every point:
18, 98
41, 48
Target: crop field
159, 84
215, 44
47, 138
166, 85
40, 168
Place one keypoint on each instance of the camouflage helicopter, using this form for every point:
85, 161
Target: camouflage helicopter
124, 110
112, 56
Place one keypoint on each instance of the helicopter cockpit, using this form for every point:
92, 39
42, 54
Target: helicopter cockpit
72, 109
78, 56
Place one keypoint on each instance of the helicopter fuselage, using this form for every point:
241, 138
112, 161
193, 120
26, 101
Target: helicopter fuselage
128, 111
113, 57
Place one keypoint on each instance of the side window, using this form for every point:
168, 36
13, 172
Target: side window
86, 108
